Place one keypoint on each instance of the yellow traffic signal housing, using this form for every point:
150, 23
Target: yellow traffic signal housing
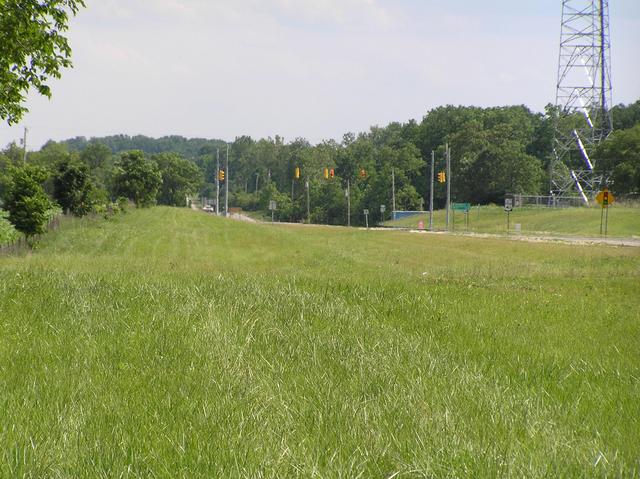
332, 172
442, 177
297, 173
326, 173
221, 175
363, 173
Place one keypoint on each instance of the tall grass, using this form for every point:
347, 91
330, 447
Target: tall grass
168, 343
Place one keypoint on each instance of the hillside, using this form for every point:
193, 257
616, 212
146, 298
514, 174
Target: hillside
623, 221
168, 342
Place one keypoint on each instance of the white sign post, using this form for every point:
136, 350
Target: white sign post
508, 206
272, 207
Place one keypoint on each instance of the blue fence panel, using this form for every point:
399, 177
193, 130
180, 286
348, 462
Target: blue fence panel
398, 215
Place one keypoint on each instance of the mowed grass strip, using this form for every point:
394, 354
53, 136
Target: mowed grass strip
169, 343
623, 221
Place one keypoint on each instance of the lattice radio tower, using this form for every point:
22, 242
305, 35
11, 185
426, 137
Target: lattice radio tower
583, 97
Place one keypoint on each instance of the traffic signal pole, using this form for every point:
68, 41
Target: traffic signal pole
308, 203
433, 161
226, 185
217, 181
348, 202
393, 193
448, 206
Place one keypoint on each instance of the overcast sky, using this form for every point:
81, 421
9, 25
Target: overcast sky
306, 68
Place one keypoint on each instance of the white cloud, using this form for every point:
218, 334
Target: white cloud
340, 12
313, 68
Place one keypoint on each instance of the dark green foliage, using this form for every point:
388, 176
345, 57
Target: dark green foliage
619, 155
191, 148
246, 201
180, 178
72, 187
26, 201
96, 155
8, 233
626, 116
283, 201
329, 205
495, 151
32, 50
123, 204
502, 169
136, 178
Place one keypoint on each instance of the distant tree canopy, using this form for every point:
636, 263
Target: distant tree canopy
619, 156
32, 49
186, 147
495, 151
626, 116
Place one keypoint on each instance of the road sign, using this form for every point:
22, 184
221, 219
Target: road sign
272, 205
508, 204
462, 207
383, 208
366, 212
605, 198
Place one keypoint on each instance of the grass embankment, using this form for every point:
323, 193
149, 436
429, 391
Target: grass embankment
623, 221
169, 343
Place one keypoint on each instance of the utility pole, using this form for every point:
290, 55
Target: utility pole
257, 177
448, 158
308, 203
348, 202
227, 178
217, 181
393, 193
24, 145
433, 161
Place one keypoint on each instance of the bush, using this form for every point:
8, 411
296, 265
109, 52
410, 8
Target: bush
28, 205
8, 234
246, 201
123, 204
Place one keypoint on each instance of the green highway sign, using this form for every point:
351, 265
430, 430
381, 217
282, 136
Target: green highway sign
462, 207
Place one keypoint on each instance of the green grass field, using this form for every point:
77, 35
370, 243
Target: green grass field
624, 221
170, 343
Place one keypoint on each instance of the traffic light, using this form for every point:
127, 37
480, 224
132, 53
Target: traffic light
220, 175
363, 173
297, 173
442, 177
331, 173
326, 173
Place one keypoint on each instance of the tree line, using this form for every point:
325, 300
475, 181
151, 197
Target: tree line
94, 180
494, 151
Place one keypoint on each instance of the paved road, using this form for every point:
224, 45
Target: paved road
584, 240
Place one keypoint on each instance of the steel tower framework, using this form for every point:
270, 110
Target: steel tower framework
583, 97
